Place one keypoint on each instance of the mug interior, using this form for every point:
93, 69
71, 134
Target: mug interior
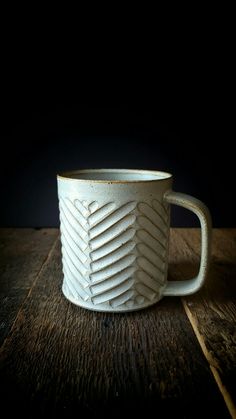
115, 175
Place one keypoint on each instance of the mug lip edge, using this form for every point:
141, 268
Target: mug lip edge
65, 176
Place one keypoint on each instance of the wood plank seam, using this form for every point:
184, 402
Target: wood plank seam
212, 363
46, 260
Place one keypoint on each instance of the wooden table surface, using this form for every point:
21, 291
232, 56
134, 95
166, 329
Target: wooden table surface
176, 359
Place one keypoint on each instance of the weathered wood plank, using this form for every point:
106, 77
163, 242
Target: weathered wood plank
212, 311
62, 359
22, 254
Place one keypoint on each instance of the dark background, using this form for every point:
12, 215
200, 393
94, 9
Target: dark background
40, 139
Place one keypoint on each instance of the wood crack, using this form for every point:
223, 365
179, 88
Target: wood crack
214, 366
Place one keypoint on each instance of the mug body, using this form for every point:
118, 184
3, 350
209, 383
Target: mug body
114, 233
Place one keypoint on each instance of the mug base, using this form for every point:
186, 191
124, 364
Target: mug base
120, 309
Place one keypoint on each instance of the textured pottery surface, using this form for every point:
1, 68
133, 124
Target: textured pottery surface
115, 236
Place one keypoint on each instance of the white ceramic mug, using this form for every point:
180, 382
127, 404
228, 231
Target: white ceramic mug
115, 233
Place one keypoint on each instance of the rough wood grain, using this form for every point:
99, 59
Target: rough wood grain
22, 254
62, 359
212, 311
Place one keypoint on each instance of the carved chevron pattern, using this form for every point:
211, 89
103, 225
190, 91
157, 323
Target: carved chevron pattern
152, 247
112, 256
97, 249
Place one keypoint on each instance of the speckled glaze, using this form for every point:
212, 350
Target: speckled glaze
115, 238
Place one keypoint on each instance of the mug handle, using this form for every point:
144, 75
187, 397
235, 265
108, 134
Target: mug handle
190, 286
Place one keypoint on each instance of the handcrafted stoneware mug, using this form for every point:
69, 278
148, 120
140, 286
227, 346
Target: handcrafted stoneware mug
115, 234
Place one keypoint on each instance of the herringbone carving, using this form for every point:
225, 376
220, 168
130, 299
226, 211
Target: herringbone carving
97, 245
114, 256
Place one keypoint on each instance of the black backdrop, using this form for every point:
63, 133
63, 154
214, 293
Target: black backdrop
40, 140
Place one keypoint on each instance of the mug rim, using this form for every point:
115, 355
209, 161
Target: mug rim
157, 175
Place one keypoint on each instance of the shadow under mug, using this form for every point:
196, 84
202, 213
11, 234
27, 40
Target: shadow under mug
115, 227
